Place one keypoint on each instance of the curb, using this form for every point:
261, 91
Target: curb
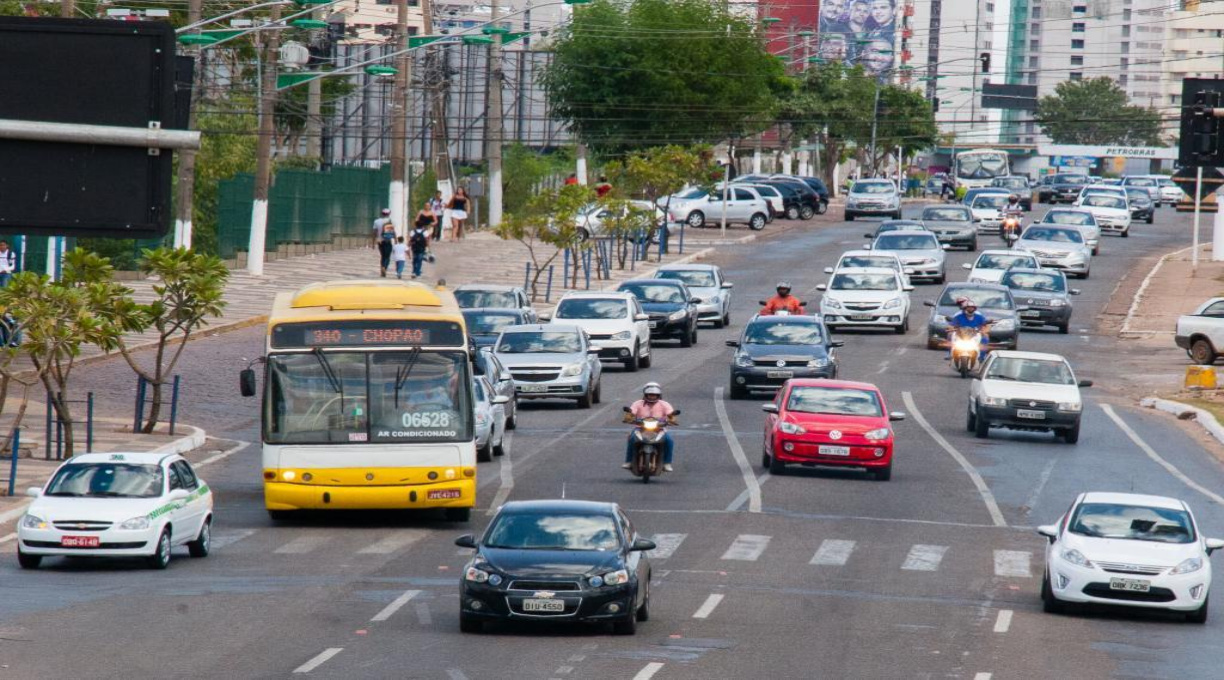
1187, 412
1138, 298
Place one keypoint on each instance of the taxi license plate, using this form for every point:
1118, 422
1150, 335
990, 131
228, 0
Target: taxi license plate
779, 374
533, 388
533, 605
1133, 585
862, 317
1030, 415
80, 541
834, 450
1030, 315
443, 494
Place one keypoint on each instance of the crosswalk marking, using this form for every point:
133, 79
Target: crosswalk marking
747, 547
707, 607
1012, 563
924, 557
833, 553
220, 540
665, 545
301, 545
393, 542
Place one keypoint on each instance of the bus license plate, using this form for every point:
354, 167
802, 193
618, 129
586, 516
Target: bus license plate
533, 605
80, 541
533, 388
1030, 415
1133, 585
834, 450
443, 494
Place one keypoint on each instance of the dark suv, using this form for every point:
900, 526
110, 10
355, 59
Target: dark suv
774, 349
671, 307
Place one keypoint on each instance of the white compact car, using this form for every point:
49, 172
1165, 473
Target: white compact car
1112, 213
490, 410
1026, 391
1129, 550
1080, 219
992, 264
707, 283
987, 210
870, 298
615, 322
866, 259
117, 505
1063, 248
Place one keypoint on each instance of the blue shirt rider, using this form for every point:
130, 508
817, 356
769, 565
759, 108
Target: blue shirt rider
968, 317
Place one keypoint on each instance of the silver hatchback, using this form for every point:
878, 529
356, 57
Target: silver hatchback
919, 251
551, 361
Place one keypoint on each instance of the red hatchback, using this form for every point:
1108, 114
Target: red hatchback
829, 422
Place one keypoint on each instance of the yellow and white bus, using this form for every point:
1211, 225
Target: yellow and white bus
367, 400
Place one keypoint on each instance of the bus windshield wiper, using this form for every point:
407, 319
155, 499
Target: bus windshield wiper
404, 370
328, 371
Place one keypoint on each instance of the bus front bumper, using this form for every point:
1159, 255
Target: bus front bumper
455, 493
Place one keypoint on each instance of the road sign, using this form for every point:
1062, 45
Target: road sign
1212, 180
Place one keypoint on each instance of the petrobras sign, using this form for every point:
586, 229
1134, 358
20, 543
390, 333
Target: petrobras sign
1152, 152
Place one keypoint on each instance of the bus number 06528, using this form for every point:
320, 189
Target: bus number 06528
427, 420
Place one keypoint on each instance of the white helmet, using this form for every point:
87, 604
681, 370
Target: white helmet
652, 388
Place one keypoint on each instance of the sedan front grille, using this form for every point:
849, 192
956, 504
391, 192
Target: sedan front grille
1122, 568
81, 525
1031, 404
861, 306
535, 377
555, 586
788, 363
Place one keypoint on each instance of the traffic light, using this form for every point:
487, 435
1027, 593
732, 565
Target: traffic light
985, 57
1201, 143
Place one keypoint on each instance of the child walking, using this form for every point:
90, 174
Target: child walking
399, 253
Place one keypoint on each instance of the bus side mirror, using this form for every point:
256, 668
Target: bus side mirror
246, 382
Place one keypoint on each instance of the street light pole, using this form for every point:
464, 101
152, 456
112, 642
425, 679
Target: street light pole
185, 190
494, 124
399, 121
263, 167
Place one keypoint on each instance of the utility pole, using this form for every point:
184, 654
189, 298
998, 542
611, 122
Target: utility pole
493, 120
875, 119
267, 128
399, 121
314, 108
185, 198
436, 103
68, 9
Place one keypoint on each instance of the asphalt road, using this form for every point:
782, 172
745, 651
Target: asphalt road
811, 574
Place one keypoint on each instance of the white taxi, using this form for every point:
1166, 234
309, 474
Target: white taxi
117, 505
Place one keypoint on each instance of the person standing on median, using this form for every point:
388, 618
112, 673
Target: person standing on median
399, 253
418, 243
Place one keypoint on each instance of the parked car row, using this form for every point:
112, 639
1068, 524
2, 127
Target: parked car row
752, 200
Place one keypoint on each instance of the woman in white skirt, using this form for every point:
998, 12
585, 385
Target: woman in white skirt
458, 207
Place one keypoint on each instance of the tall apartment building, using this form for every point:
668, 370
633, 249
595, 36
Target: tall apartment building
1194, 35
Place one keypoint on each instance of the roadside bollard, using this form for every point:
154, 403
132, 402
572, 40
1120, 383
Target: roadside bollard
13, 466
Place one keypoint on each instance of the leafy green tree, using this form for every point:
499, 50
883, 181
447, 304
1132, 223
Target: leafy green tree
1096, 111
227, 147
622, 77
905, 120
546, 226
835, 102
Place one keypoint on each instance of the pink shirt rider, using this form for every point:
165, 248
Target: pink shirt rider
659, 410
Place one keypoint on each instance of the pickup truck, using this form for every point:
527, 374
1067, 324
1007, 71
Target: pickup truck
1201, 334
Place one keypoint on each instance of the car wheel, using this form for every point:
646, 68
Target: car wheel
1125, 234
941, 278
1202, 352
776, 467
806, 212
160, 559
28, 561
904, 327
1151, 219
686, 340
203, 541
696, 219
484, 454
897, 215
970, 421
626, 626
583, 402
849, 217
1064, 328
458, 514
631, 364
932, 343
500, 448
470, 624
280, 515
756, 222
883, 474
972, 246
647, 360
765, 458
1199, 615
597, 395
981, 428
1085, 274
1071, 434
726, 319
512, 421
1049, 603
792, 213
824, 208
1096, 250
643, 612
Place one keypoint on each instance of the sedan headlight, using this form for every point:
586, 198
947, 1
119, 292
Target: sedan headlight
743, 360
1004, 325
818, 363
476, 575
1056, 302
879, 434
623, 335
676, 316
1070, 406
572, 370
1076, 557
135, 524
33, 522
791, 428
714, 299
831, 303
893, 303
1188, 565
615, 578
993, 401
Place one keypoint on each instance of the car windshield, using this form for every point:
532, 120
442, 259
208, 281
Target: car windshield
1105, 201
864, 282
862, 187
1139, 195
538, 531
899, 226
1046, 283
653, 292
1041, 371
107, 480
489, 323
1054, 235
947, 215
592, 308
834, 401
780, 333
1132, 522
470, 299
990, 200
986, 298
1078, 219
895, 241
690, 277
1071, 179
1140, 182
868, 262
539, 342
989, 261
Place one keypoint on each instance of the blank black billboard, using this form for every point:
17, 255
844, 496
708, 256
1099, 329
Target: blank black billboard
95, 72
1015, 97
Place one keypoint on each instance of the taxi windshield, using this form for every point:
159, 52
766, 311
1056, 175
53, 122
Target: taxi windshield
986, 298
648, 292
489, 323
1053, 235
469, 299
1068, 217
864, 282
1005, 261
868, 262
947, 215
107, 480
694, 278
1105, 201
539, 342
862, 187
990, 201
1030, 371
901, 241
592, 308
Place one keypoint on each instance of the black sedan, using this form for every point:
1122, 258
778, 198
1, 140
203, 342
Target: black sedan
1141, 204
1062, 188
1043, 296
774, 349
994, 302
556, 560
671, 307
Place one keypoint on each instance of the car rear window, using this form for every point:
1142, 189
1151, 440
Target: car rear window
485, 298
947, 215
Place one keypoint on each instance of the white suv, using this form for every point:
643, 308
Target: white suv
615, 322
1026, 391
869, 297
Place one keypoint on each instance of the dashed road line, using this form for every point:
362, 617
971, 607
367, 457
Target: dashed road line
223, 539
223, 455
737, 451
649, 670
505, 484
982, 676
301, 545
747, 548
924, 557
833, 553
1041, 482
666, 545
1156, 457
707, 607
393, 542
320, 659
1003, 623
456, 674
1014, 563
389, 611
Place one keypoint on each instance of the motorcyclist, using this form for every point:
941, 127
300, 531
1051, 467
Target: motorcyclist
968, 317
1013, 205
651, 405
783, 301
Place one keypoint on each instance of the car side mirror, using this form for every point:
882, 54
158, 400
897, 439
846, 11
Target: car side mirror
1085, 383
695, 301
1074, 291
1213, 544
642, 545
728, 284
246, 382
178, 494
895, 416
500, 399
868, 235
466, 541
907, 288
828, 270
821, 286
733, 343
545, 316
837, 343
34, 492
641, 317
761, 302
967, 266
907, 271
1050, 531
505, 376
769, 408
928, 303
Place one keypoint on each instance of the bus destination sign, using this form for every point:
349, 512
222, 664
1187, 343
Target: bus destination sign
374, 333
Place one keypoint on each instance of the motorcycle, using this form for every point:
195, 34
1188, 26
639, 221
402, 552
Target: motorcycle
1009, 231
967, 347
648, 445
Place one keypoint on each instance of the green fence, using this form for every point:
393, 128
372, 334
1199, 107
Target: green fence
303, 207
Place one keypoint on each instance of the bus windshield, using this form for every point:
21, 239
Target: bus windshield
368, 397
981, 166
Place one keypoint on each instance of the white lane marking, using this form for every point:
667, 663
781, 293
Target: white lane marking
319, 660
883, 367
301, 545
389, 611
505, 484
1003, 623
223, 455
924, 557
982, 676
707, 607
666, 545
739, 501
1013, 563
563, 670
902, 351
1041, 482
1158, 459
750, 481
833, 553
984, 491
653, 667
747, 548
423, 613
393, 542
222, 539
455, 674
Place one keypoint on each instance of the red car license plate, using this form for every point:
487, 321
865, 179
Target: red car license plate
443, 494
80, 541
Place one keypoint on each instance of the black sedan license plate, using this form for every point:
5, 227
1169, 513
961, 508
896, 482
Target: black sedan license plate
1030, 314
779, 374
1133, 585
538, 605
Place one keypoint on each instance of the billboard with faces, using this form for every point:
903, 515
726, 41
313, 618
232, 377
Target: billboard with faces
860, 32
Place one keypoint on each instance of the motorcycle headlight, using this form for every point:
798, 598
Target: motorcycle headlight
1187, 566
623, 335
572, 370
676, 316
879, 434
616, 578
993, 401
831, 303
966, 344
1070, 406
136, 523
1055, 302
650, 425
791, 428
1076, 557
818, 363
893, 303
476, 575
743, 360
1004, 325
33, 522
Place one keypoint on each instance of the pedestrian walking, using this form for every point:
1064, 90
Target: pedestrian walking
436, 206
399, 253
429, 218
379, 223
458, 211
8, 263
572, 179
418, 243
603, 187
386, 241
